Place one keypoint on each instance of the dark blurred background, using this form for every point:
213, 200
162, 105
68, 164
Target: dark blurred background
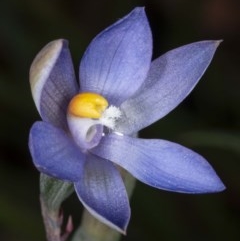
207, 121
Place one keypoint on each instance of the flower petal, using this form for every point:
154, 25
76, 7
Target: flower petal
54, 153
103, 193
170, 79
118, 59
161, 164
53, 82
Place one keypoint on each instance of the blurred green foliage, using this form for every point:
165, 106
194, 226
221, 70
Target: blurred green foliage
207, 121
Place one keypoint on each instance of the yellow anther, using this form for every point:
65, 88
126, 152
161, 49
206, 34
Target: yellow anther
87, 105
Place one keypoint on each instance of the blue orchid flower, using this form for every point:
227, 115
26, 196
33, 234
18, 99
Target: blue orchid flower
88, 132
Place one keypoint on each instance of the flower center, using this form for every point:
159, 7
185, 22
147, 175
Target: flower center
87, 105
87, 114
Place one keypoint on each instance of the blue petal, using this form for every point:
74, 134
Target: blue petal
103, 193
53, 82
118, 59
161, 164
54, 153
170, 79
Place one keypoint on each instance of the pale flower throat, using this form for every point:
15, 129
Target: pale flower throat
87, 114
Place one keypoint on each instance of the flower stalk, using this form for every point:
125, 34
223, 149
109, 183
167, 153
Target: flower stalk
52, 222
52, 193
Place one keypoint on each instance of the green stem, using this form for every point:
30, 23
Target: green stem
93, 230
52, 193
52, 222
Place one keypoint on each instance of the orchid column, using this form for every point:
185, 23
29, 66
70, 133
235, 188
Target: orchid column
87, 135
